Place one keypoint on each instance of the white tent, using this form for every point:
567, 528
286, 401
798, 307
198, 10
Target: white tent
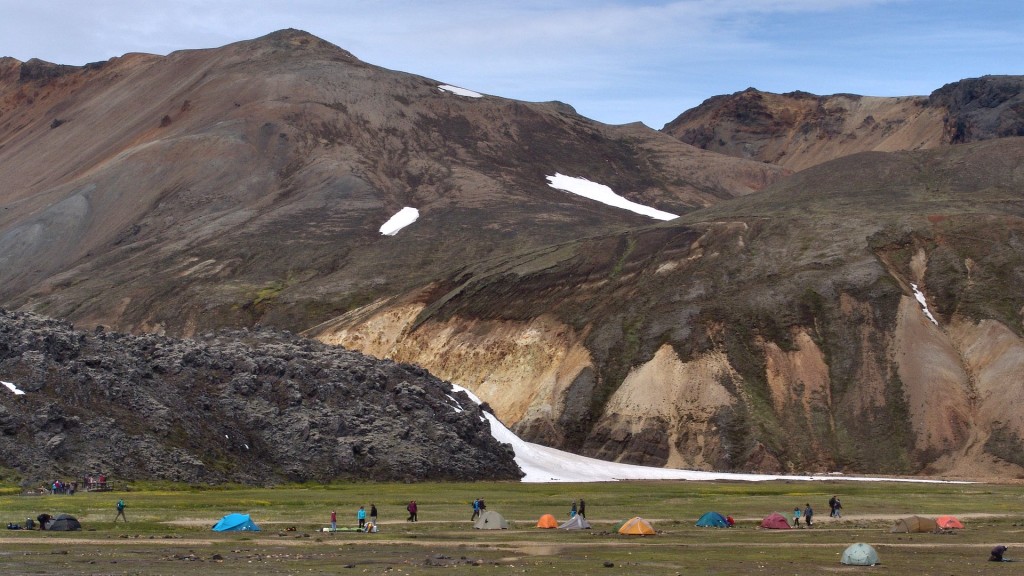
577, 522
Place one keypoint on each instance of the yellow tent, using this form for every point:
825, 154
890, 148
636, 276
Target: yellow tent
547, 521
637, 526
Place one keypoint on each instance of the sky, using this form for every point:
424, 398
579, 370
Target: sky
616, 61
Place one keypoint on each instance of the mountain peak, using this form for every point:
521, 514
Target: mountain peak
297, 40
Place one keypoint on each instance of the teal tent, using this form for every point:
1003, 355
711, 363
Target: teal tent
235, 523
713, 520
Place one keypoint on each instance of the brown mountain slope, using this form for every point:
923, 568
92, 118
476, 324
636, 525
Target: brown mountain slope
798, 130
777, 332
247, 183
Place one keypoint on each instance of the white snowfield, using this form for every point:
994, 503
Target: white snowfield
604, 195
400, 220
17, 391
924, 303
459, 91
542, 464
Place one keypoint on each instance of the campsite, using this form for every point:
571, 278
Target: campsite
170, 529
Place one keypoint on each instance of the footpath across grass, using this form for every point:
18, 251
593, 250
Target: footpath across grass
169, 529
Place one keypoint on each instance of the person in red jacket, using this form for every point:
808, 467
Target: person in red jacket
412, 511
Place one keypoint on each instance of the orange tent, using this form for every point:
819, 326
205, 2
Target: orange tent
547, 521
637, 526
947, 522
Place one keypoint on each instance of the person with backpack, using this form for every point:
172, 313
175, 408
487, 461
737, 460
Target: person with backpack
120, 512
412, 509
996, 555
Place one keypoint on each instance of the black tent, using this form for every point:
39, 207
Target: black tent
64, 522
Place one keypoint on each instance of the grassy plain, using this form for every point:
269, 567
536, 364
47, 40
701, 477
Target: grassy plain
169, 530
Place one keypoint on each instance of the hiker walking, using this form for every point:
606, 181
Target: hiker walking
411, 508
334, 520
373, 513
832, 507
120, 512
808, 514
796, 517
583, 508
839, 508
361, 516
476, 509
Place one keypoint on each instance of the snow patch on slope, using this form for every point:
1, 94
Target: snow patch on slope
604, 195
924, 303
459, 91
400, 220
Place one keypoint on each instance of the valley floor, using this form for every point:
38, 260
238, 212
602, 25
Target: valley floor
169, 530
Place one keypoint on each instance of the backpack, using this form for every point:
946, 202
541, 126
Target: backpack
120, 505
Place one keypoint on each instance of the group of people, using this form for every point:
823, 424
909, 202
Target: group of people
478, 507
581, 509
360, 517
61, 487
834, 505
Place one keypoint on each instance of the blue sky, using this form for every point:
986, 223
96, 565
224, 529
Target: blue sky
616, 61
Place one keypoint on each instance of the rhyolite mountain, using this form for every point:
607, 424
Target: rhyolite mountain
774, 326
246, 184
778, 332
798, 130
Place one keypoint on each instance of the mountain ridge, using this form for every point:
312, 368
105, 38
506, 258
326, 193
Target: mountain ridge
798, 129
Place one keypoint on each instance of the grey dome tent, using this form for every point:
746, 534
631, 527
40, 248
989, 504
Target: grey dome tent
64, 522
860, 554
577, 522
490, 520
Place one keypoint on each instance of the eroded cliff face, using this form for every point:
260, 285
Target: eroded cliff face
960, 384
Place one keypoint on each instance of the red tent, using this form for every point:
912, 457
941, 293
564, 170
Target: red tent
947, 522
775, 521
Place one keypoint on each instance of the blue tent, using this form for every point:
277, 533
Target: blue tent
713, 519
236, 522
